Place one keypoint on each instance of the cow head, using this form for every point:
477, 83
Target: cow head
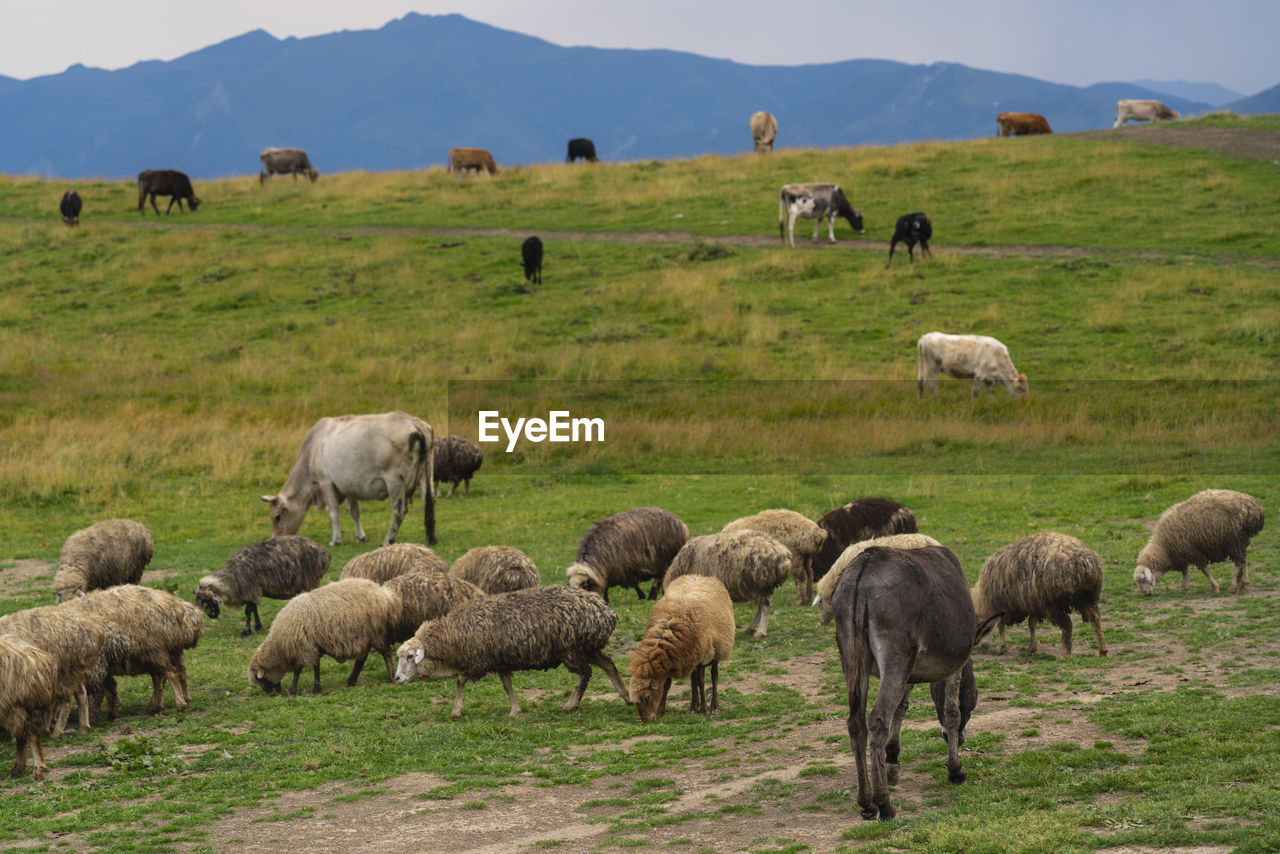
855, 220
194, 202
1020, 389
286, 516
313, 174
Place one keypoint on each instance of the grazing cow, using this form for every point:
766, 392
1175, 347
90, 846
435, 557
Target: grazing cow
764, 130
475, 159
285, 161
981, 357
904, 615
165, 182
531, 254
581, 148
1148, 110
1022, 124
815, 201
70, 207
911, 229
359, 458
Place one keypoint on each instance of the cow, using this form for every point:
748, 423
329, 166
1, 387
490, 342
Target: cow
531, 255
165, 182
764, 130
1148, 110
359, 458
475, 159
284, 161
70, 207
814, 201
581, 148
981, 357
911, 229
1022, 124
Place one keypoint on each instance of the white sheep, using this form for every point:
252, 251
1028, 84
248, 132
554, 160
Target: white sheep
800, 534
750, 564
386, 562
1210, 526
104, 554
496, 569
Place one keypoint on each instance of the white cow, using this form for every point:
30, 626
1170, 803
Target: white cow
981, 357
359, 458
764, 130
1148, 110
814, 201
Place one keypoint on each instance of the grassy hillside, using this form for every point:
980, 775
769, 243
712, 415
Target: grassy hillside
167, 372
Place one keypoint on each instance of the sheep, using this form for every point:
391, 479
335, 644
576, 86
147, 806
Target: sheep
858, 520
386, 562
1210, 526
103, 555
422, 596
159, 627
798, 533
827, 584
533, 629
627, 548
496, 569
27, 684
690, 627
457, 459
1041, 577
750, 564
100, 679
75, 643
345, 619
277, 568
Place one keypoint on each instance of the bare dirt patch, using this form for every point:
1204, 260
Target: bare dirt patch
19, 576
1253, 143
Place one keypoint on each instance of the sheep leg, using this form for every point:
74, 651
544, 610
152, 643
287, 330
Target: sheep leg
1001, 646
1240, 581
113, 699
715, 682
391, 667
82, 703
1184, 579
1063, 621
1093, 618
180, 670
576, 697
251, 613
293, 688
56, 719
177, 677
655, 589
1031, 624
639, 592
157, 694
605, 663
697, 691
457, 700
355, 671
513, 708
1213, 582
315, 687
760, 622
804, 582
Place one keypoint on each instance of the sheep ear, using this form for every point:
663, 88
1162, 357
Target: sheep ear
418, 656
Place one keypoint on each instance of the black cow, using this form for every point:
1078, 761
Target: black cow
70, 207
912, 229
165, 182
531, 252
581, 148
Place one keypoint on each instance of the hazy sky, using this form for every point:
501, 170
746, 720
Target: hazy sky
1230, 42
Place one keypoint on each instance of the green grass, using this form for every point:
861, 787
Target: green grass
168, 372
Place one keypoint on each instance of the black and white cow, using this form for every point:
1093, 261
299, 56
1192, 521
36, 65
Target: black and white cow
911, 229
815, 201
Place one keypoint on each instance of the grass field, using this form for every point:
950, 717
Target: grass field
166, 371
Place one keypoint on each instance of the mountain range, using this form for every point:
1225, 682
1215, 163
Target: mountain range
400, 96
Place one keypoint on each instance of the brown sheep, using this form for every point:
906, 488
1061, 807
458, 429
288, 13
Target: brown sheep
386, 562
750, 564
496, 569
1210, 526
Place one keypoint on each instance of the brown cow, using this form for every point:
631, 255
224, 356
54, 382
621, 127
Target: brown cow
286, 161
1022, 124
476, 159
165, 182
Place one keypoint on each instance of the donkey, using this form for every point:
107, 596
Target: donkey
906, 616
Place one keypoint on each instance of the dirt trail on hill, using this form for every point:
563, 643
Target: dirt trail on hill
1253, 143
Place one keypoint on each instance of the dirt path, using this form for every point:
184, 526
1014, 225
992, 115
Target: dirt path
1253, 143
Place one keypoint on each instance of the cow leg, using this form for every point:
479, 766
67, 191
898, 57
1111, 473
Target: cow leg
831, 228
791, 228
172, 199
911, 252
353, 507
924, 249
892, 243
334, 505
398, 507
154, 205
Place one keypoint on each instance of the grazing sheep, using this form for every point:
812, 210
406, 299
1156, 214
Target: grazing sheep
1041, 577
100, 679
74, 641
422, 596
534, 629
457, 459
28, 683
750, 564
798, 533
344, 620
159, 627
863, 519
386, 562
103, 555
496, 569
626, 549
690, 627
1210, 526
827, 584
277, 568
905, 616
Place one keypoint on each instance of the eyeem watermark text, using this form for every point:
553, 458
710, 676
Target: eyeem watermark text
558, 426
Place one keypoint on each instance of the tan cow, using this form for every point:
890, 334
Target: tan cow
764, 130
475, 159
285, 161
1022, 124
359, 458
981, 357
1146, 110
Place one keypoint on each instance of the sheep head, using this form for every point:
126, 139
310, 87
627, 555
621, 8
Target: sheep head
1146, 580
585, 577
208, 598
414, 663
649, 696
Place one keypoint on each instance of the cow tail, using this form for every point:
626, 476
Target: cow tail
425, 466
